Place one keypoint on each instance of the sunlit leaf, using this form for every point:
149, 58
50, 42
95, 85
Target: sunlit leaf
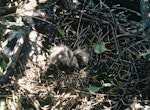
1, 71
2, 104
107, 84
61, 31
93, 89
51, 76
100, 48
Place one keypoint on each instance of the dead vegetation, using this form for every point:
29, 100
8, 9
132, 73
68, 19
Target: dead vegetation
108, 53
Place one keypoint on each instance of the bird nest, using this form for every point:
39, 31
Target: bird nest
96, 58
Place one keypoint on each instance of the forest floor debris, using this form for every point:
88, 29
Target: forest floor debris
116, 76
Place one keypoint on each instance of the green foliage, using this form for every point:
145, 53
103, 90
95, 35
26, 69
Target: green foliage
100, 48
61, 31
3, 64
94, 89
147, 56
108, 83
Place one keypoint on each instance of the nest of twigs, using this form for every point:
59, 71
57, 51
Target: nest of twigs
115, 78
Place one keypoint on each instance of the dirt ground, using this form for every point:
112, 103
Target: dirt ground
73, 55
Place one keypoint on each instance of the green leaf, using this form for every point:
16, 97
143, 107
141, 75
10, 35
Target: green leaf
93, 89
147, 56
104, 73
3, 64
110, 79
61, 31
100, 48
